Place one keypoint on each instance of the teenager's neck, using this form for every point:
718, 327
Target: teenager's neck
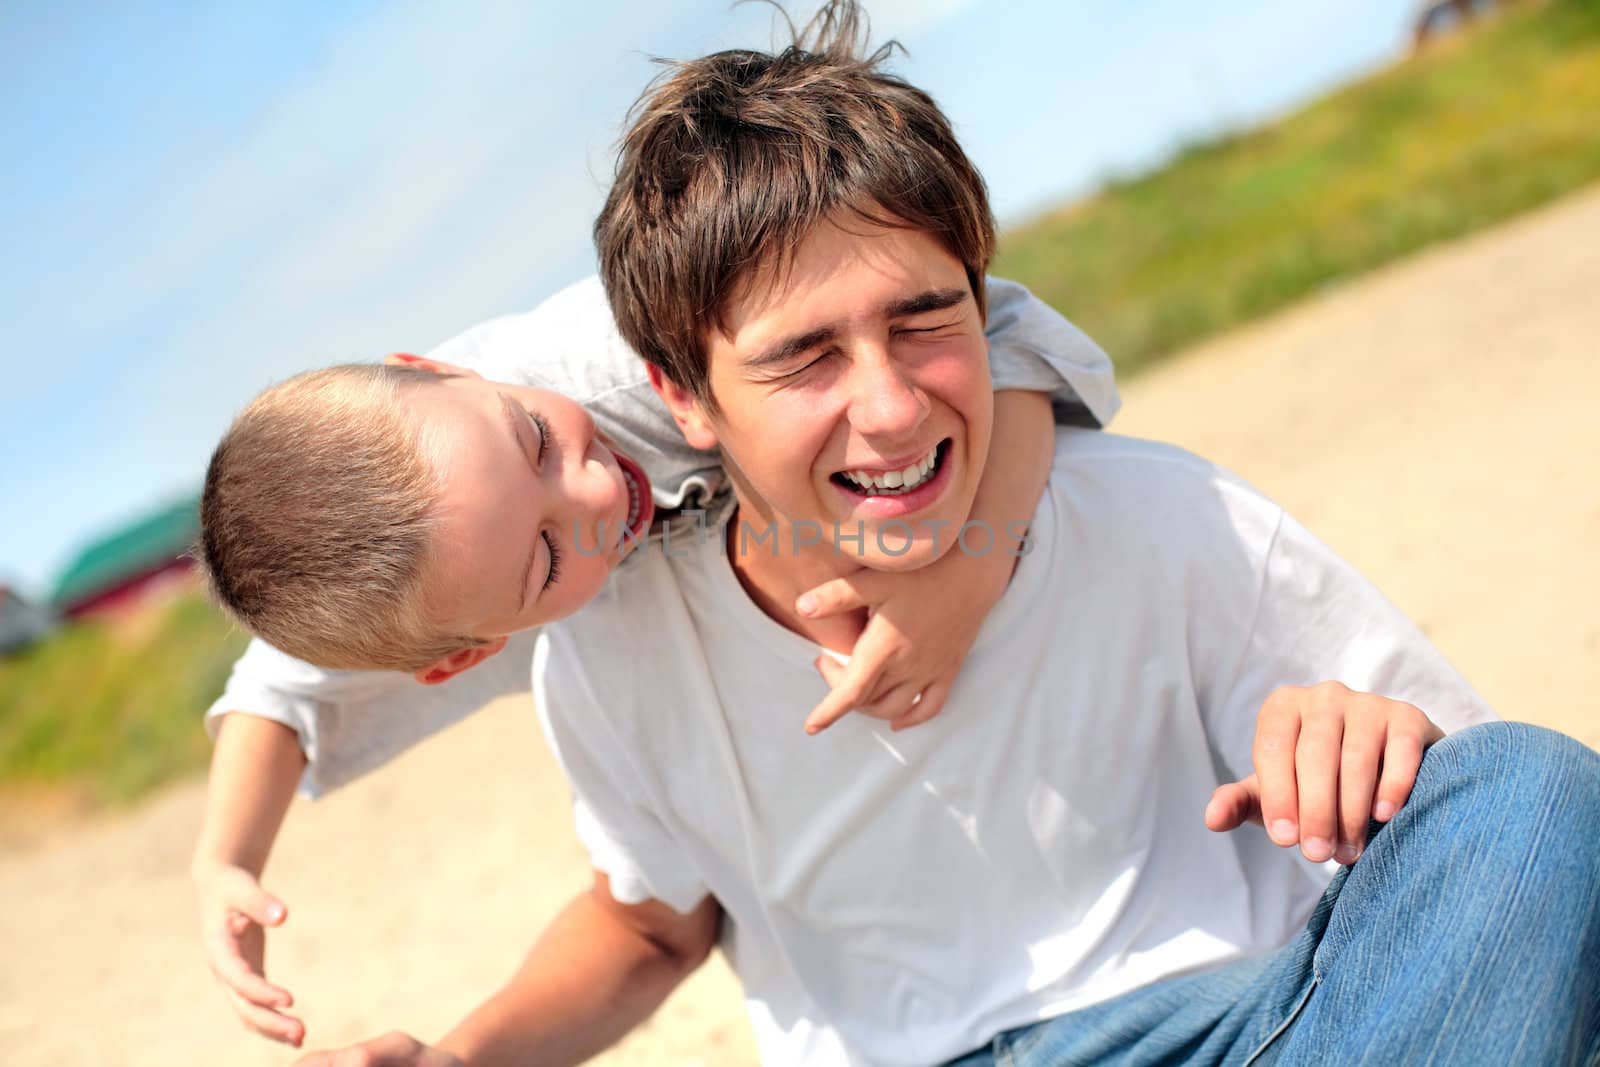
775, 567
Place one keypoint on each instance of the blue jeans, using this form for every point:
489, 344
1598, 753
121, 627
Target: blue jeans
1467, 933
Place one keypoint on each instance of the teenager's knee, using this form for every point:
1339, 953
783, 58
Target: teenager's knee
1516, 761
1524, 789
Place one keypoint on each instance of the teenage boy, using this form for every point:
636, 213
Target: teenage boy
795, 243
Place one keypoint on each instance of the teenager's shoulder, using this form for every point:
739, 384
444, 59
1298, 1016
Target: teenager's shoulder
1079, 448
1153, 491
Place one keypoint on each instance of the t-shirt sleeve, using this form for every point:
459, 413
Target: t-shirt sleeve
350, 723
611, 796
1315, 618
1032, 347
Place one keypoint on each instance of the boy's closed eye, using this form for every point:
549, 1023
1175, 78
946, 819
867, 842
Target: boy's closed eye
554, 574
541, 424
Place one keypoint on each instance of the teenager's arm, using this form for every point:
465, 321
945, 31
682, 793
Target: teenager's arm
923, 622
254, 769
599, 970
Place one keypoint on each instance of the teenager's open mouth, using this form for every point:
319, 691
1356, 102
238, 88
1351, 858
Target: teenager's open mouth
870, 483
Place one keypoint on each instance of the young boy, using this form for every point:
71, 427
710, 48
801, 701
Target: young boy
328, 533
1026, 881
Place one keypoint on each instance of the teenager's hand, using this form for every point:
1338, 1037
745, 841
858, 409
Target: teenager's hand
920, 628
1327, 760
234, 914
390, 1050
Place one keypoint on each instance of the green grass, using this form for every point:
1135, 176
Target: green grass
111, 710
1468, 133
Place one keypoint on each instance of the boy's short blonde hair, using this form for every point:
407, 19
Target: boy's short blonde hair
318, 521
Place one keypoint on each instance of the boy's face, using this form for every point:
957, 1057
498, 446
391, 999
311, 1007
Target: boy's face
532, 507
865, 363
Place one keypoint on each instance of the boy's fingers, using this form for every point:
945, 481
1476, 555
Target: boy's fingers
855, 686
242, 893
892, 705
849, 692
259, 906
851, 593
237, 973
921, 711
1358, 781
1233, 804
1277, 731
832, 671
270, 1024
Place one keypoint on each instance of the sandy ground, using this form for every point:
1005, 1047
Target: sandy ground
1435, 422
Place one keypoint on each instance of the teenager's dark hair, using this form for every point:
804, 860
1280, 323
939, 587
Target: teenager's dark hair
730, 160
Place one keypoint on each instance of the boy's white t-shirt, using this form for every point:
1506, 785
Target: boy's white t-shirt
1040, 846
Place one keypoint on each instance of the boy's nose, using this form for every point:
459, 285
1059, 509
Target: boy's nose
583, 431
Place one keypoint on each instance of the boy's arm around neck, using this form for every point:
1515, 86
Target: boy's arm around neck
923, 622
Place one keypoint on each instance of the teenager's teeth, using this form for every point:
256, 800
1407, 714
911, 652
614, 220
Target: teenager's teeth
902, 480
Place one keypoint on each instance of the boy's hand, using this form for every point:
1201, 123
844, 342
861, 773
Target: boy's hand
234, 912
919, 631
1327, 760
390, 1050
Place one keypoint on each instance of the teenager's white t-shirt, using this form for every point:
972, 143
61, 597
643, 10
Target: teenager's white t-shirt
899, 898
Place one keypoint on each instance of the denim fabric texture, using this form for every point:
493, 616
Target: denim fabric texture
1467, 933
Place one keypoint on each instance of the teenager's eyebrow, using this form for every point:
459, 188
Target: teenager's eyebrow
781, 352
785, 350
517, 419
932, 300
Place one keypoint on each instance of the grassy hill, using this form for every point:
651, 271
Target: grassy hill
1475, 129
107, 710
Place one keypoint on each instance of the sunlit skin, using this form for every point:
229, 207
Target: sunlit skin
527, 486
867, 353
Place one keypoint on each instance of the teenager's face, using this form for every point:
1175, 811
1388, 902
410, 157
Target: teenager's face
532, 508
855, 391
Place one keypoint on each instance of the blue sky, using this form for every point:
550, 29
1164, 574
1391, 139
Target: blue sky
203, 199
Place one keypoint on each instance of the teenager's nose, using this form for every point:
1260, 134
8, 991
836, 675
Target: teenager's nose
883, 402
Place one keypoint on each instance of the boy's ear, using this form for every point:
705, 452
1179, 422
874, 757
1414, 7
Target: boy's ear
437, 366
686, 412
447, 668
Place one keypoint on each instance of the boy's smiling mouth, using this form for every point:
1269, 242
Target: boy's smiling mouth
641, 507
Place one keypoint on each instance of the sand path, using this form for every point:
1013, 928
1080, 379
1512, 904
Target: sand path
1435, 422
